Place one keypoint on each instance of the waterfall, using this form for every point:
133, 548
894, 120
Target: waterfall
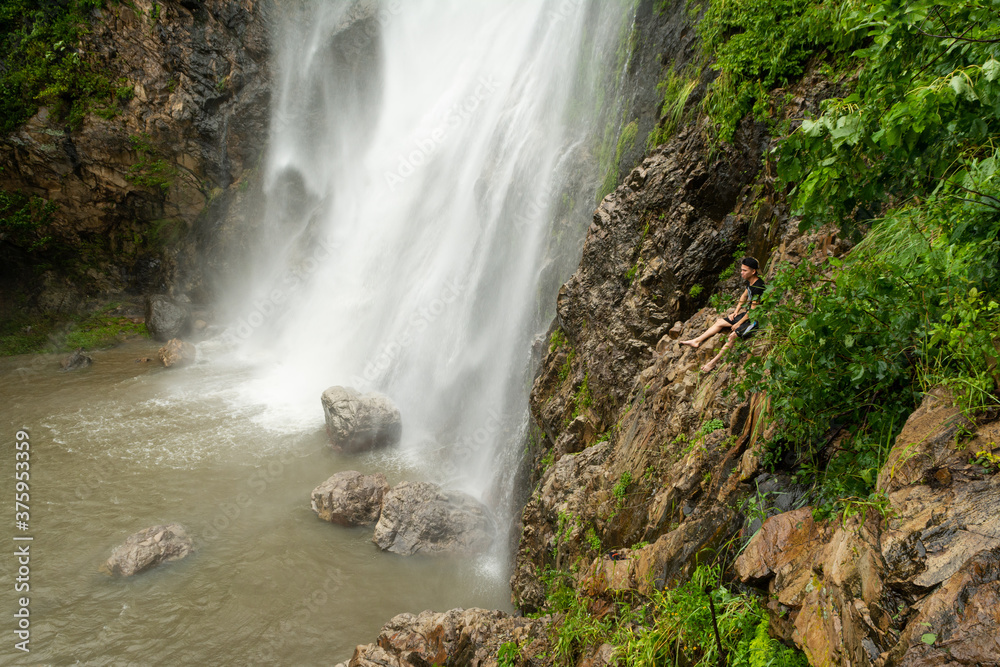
428, 184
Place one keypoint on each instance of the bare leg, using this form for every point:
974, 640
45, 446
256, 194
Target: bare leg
710, 364
719, 325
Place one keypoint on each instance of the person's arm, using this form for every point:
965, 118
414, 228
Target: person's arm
739, 304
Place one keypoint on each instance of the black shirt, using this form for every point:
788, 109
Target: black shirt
755, 291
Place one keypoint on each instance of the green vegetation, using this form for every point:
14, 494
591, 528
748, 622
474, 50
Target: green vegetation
620, 489
675, 91
45, 65
548, 459
557, 340
711, 426
24, 220
582, 399
151, 171
695, 291
911, 154
99, 330
758, 45
626, 140
672, 627
509, 654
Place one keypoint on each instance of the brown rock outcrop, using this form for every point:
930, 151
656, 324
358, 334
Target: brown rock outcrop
196, 120
460, 637
935, 554
148, 548
350, 498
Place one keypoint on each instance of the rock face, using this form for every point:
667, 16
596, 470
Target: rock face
76, 360
359, 422
350, 498
166, 318
460, 637
935, 555
420, 518
194, 123
148, 548
177, 353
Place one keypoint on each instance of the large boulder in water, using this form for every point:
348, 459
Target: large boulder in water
350, 498
359, 422
423, 518
148, 548
166, 318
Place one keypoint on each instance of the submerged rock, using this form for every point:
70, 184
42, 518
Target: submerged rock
359, 422
76, 360
165, 318
148, 548
422, 518
177, 353
350, 498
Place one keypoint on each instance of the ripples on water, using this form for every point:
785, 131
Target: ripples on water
121, 446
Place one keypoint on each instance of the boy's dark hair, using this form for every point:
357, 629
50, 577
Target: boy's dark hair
751, 262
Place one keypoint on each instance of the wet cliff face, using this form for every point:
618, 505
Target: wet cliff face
191, 124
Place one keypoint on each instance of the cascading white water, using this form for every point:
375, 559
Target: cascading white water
417, 160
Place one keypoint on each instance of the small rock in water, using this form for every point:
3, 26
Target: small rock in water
350, 498
359, 422
76, 360
148, 548
177, 353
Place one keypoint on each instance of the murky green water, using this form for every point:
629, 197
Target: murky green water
121, 446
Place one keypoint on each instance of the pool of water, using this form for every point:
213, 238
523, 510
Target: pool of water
124, 445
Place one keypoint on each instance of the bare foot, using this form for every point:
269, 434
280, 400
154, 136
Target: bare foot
690, 343
708, 367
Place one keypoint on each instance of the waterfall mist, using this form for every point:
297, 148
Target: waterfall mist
429, 181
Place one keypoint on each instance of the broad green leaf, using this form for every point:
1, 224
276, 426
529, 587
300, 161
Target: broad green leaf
991, 69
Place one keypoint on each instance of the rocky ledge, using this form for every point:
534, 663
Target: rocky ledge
460, 637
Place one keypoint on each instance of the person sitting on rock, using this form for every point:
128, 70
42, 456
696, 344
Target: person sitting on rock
737, 321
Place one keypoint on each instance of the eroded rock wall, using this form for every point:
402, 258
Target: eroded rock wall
190, 126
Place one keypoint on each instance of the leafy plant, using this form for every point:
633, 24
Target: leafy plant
988, 460
151, 171
683, 632
620, 489
711, 426
695, 291
44, 63
757, 46
675, 91
24, 220
508, 655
